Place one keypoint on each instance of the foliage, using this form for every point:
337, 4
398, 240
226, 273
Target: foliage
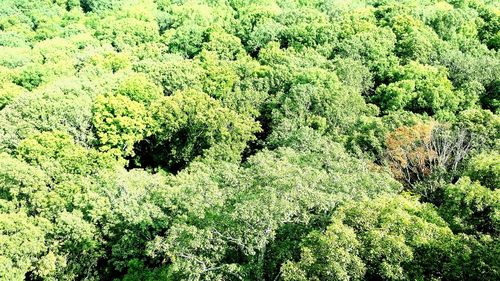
414, 153
390, 237
470, 207
22, 246
190, 123
119, 123
482, 123
485, 168
138, 88
329, 256
418, 88
59, 108
249, 140
400, 237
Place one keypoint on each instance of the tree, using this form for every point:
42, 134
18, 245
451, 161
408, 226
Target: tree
126, 32
174, 73
240, 85
374, 46
420, 89
415, 153
185, 34
72, 197
20, 182
190, 124
368, 137
471, 208
400, 237
353, 73
22, 247
62, 107
225, 45
257, 26
9, 92
305, 27
488, 32
58, 154
392, 236
315, 98
99, 6
485, 168
119, 123
482, 123
453, 24
14, 57
139, 89
329, 256
415, 40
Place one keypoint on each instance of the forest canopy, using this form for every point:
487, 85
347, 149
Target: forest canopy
283, 140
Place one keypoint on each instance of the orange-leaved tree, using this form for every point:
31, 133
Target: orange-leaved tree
414, 153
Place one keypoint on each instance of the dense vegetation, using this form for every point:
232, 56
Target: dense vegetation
249, 140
